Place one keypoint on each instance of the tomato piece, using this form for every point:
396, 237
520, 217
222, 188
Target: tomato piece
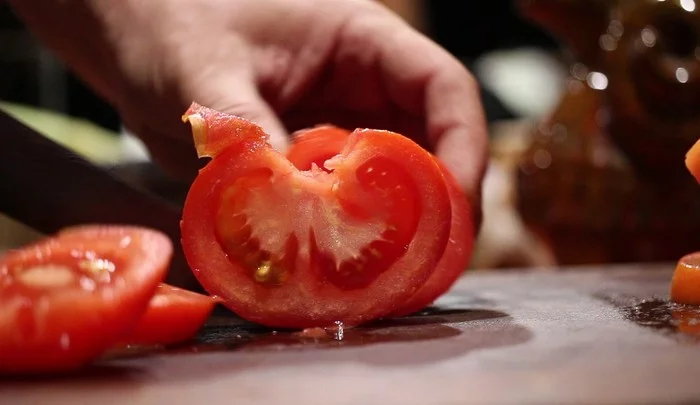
685, 284
303, 248
66, 299
173, 316
692, 160
317, 145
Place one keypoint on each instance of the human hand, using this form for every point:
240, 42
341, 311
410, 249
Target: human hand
284, 64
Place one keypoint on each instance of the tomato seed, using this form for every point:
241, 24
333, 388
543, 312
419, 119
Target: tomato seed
46, 276
268, 273
99, 269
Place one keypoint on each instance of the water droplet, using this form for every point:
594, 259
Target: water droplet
542, 159
616, 28
65, 341
608, 42
649, 36
688, 5
88, 284
579, 71
682, 75
597, 80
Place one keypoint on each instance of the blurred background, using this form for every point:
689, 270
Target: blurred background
545, 202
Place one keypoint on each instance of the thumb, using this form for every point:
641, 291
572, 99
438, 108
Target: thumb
238, 94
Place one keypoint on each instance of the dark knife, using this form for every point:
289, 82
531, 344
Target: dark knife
47, 187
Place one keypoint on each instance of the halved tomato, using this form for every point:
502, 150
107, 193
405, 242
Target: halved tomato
315, 146
173, 316
291, 248
68, 298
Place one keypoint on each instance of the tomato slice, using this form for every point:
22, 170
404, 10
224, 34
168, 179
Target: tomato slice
455, 259
692, 160
173, 316
685, 284
68, 298
317, 145
302, 248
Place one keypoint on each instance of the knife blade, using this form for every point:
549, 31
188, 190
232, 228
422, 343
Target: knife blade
48, 187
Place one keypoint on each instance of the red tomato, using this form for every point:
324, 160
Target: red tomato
290, 248
322, 143
66, 299
316, 145
174, 315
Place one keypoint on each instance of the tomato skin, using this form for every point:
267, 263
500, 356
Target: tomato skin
319, 144
455, 259
173, 316
63, 328
304, 298
212, 131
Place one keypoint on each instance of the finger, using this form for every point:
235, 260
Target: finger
175, 155
236, 93
457, 126
426, 80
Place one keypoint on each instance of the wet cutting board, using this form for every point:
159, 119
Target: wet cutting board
579, 336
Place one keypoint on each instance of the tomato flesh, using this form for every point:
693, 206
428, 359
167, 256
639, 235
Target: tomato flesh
317, 145
685, 284
173, 316
303, 248
692, 160
67, 299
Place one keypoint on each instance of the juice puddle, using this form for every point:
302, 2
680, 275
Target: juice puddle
224, 333
662, 315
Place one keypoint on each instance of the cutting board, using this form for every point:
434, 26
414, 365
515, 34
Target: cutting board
602, 335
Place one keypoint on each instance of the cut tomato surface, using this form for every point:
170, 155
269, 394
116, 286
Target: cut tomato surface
301, 248
685, 284
317, 145
66, 299
173, 316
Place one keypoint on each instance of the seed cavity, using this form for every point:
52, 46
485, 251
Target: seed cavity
99, 269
